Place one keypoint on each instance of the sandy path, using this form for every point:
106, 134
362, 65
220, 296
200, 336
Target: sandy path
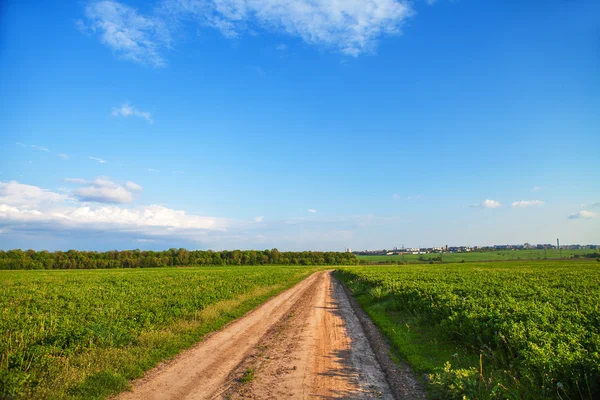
304, 343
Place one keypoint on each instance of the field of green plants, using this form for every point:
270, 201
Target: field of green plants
85, 333
528, 330
500, 255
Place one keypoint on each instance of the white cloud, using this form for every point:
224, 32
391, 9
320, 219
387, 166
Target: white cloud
104, 194
488, 204
100, 160
133, 186
311, 210
527, 203
16, 194
152, 170
259, 219
27, 204
103, 190
281, 47
127, 33
43, 215
127, 111
583, 215
102, 182
100, 217
536, 188
63, 156
350, 26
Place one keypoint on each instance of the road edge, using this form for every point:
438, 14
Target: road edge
399, 377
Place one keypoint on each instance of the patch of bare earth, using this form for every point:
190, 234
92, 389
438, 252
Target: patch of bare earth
306, 342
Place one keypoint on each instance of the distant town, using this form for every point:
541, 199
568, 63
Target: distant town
468, 249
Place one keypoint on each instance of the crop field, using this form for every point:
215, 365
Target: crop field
86, 333
500, 255
515, 330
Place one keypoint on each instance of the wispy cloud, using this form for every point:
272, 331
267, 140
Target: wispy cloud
536, 188
126, 32
488, 204
351, 27
527, 203
396, 196
100, 160
257, 70
152, 170
75, 180
127, 110
145, 240
34, 146
310, 210
583, 215
259, 219
42, 148
281, 47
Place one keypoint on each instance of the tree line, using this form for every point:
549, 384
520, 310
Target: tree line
73, 259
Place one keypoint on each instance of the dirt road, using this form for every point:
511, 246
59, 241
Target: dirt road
306, 342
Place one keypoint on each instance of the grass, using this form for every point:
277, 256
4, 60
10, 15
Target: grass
86, 334
501, 255
528, 330
248, 375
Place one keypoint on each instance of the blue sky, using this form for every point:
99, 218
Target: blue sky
298, 124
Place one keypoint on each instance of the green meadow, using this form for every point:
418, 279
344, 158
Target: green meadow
503, 330
500, 255
86, 333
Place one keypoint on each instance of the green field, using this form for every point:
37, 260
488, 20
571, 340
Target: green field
514, 330
85, 333
501, 255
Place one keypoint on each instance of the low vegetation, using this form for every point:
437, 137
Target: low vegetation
247, 376
513, 330
74, 334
